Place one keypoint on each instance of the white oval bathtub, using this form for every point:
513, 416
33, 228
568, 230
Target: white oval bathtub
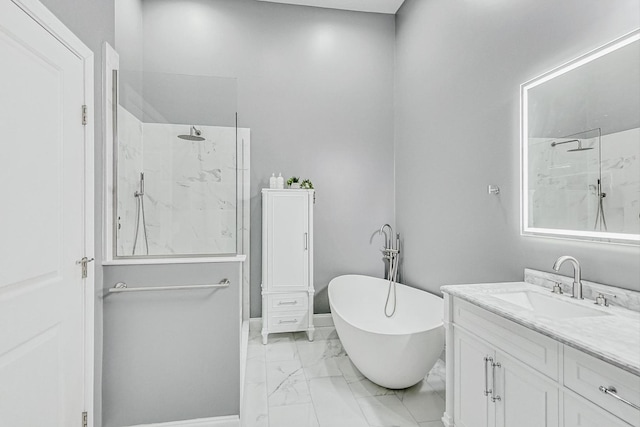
395, 352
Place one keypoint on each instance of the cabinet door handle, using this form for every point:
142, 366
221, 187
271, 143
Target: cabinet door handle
306, 241
493, 381
288, 321
611, 391
487, 391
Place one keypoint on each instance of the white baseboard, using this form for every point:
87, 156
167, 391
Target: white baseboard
227, 421
319, 321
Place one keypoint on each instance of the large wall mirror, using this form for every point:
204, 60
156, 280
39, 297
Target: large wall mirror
580, 144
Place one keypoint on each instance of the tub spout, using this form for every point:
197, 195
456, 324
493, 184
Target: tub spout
387, 238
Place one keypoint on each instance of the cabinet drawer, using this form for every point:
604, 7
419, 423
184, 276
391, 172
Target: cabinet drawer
288, 302
534, 349
580, 412
288, 321
585, 374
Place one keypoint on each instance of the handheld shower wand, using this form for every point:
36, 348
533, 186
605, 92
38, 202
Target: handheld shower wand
140, 192
139, 196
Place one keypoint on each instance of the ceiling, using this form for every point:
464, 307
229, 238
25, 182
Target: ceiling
376, 6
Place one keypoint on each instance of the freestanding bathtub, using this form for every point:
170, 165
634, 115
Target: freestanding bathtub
395, 352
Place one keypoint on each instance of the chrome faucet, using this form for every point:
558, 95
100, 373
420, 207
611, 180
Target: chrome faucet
387, 239
389, 252
577, 284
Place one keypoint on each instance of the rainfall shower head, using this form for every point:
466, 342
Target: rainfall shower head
194, 135
580, 148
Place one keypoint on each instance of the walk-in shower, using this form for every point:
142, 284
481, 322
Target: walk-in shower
178, 174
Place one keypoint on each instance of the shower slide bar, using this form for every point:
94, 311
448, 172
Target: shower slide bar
122, 287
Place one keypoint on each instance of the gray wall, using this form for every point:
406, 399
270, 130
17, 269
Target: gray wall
458, 70
93, 22
172, 355
316, 88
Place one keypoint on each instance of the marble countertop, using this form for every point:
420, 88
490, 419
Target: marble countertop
614, 338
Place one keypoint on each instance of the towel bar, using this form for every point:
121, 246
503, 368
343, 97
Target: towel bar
122, 287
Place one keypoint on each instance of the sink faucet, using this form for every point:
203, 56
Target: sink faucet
577, 284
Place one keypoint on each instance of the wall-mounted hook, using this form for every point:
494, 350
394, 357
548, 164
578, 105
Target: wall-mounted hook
493, 189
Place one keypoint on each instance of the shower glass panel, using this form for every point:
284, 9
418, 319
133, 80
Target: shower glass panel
176, 173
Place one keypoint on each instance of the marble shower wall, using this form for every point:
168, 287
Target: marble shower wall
190, 188
130, 164
563, 185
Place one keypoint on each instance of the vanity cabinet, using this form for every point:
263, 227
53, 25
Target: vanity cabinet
287, 261
495, 389
527, 398
504, 374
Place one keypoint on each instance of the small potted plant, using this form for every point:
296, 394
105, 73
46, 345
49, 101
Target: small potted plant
293, 182
306, 184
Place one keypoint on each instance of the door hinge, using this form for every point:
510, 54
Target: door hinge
85, 115
85, 419
83, 262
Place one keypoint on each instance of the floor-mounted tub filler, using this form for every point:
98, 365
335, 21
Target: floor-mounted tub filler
394, 352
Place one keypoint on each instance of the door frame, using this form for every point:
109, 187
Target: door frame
47, 20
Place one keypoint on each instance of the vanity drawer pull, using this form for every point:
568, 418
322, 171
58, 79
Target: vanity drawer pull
611, 391
288, 321
293, 302
487, 391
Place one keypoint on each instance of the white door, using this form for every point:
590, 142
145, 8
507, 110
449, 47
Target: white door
527, 398
288, 238
41, 223
471, 380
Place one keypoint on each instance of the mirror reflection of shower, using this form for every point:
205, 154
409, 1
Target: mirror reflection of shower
139, 196
600, 223
579, 148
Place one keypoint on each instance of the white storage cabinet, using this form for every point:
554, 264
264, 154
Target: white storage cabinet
287, 261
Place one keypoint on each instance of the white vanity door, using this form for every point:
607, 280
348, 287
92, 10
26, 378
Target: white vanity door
471, 379
527, 398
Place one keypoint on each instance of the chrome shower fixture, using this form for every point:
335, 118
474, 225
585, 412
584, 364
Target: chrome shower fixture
580, 148
194, 135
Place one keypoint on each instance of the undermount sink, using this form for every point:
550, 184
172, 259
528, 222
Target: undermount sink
549, 306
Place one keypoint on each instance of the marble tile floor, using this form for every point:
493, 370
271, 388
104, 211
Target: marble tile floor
291, 382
